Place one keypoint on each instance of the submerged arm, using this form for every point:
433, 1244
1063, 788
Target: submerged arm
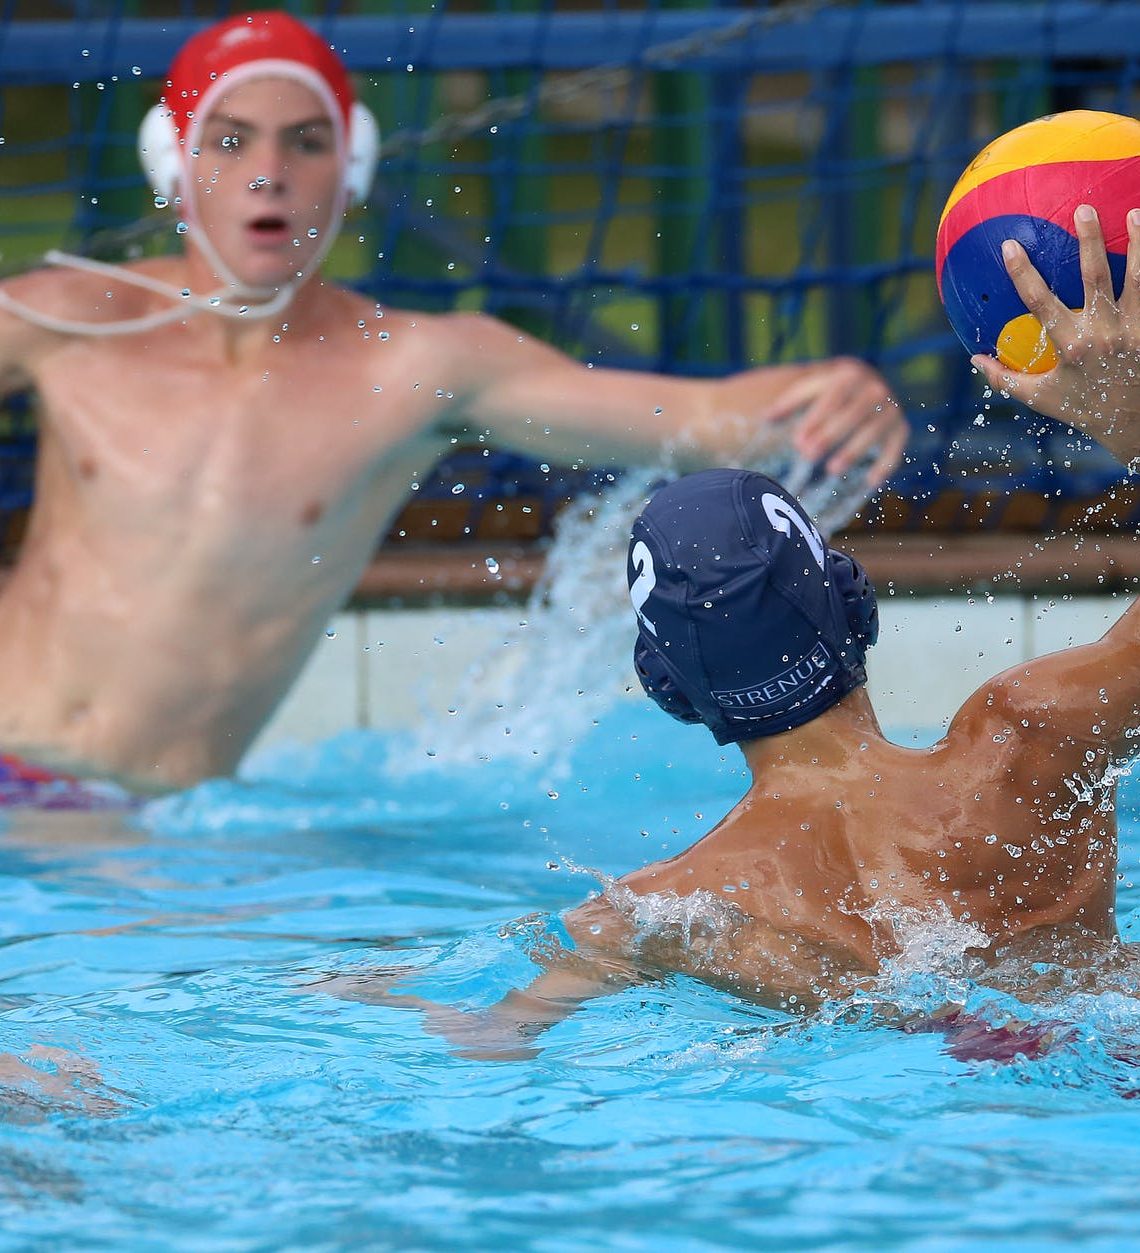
505, 1031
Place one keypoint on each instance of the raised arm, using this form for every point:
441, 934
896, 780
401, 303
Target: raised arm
1095, 385
529, 395
1087, 697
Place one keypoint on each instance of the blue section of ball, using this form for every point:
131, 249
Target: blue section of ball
979, 295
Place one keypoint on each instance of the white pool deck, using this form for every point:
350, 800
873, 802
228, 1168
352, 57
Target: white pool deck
383, 669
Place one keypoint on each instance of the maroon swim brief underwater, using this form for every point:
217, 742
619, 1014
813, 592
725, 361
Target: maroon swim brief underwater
23, 784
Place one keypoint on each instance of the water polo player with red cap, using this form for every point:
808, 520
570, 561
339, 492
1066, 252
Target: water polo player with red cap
209, 68
225, 432
176, 153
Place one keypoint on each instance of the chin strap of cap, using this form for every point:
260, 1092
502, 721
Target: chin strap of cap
225, 302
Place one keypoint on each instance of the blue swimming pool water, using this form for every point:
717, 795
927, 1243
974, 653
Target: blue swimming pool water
175, 1077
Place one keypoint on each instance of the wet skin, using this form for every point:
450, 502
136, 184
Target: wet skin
208, 493
1007, 826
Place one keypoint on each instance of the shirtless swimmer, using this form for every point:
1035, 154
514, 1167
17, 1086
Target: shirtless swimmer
750, 625
215, 467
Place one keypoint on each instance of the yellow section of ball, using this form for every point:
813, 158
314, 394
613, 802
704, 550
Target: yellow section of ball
1024, 345
1076, 135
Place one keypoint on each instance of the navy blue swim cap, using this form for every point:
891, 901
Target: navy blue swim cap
747, 621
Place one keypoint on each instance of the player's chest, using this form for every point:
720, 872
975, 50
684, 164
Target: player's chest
168, 423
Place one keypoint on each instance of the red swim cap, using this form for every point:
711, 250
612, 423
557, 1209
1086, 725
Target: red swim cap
208, 57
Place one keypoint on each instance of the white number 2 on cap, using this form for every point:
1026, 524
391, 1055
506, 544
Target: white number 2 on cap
783, 517
645, 582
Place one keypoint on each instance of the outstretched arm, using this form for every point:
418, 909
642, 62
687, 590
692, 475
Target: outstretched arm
526, 394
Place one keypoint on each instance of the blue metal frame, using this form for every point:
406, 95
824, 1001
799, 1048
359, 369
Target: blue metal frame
93, 49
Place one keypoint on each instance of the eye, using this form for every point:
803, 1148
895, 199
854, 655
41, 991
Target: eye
312, 142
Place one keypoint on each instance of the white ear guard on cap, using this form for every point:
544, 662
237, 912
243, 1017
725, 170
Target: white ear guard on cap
363, 153
160, 152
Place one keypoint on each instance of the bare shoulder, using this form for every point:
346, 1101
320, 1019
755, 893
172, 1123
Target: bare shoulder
403, 328
1052, 710
458, 354
598, 925
28, 304
489, 341
474, 328
83, 296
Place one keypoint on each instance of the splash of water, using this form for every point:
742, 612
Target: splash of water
1095, 789
925, 941
541, 688
666, 916
556, 673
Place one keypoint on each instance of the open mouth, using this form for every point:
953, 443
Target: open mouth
270, 227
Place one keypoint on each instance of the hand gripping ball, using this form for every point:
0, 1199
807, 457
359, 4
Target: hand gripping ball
1025, 186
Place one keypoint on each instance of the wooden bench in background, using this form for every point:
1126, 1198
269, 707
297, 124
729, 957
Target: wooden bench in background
952, 539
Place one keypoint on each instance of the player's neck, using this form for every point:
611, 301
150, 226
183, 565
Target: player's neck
245, 322
827, 742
